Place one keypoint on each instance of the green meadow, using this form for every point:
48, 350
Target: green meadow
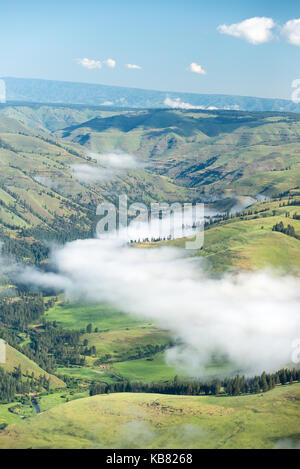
152, 369
54, 399
126, 346
115, 334
247, 242
127, 420
7, 417
129, 342
88, 374
101, 316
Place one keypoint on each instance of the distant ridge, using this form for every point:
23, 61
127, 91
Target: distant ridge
48, 91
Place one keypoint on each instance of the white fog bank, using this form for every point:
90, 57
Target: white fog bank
111, 164
252, 318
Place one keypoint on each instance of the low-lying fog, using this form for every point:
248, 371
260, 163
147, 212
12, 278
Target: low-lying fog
109, 166
251, 318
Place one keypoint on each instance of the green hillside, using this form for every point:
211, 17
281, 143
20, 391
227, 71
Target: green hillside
14, 358
156, 421
217, 152
188, 156
53, 117
41, 199
246, 240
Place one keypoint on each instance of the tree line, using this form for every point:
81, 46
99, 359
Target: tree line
15, 382
53, 345
289, 230
19, 312
49, 345
234, 386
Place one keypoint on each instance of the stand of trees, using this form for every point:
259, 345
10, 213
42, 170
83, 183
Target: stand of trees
52, 346
15, 383
49, 344
20, 248
289, 230
19, 312
230, 386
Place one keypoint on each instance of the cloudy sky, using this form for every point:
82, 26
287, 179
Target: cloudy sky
235, 47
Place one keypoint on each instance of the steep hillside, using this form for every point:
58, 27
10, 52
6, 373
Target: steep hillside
246, 240
51, 117
41, 198
155, 421
14, 358
181, 156
216, 152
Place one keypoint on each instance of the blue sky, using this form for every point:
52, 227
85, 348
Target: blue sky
48, 39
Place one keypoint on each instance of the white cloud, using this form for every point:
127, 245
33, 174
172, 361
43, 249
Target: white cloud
89, 174
91, 64
232, 107
251, 318
112, 165
178, 104
117, 160
255, 30
134, 66
45, 181
196, 68
111, 63
2, 91
107, 103
291, 31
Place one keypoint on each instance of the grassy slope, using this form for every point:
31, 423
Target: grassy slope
121, 344
158, 421
7, 417
77, 316
24, 159
225, 152
37, 185
229, 152
52, 118
48, 401
246, 245
15, 358
246, 242
208, 152
148, 370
